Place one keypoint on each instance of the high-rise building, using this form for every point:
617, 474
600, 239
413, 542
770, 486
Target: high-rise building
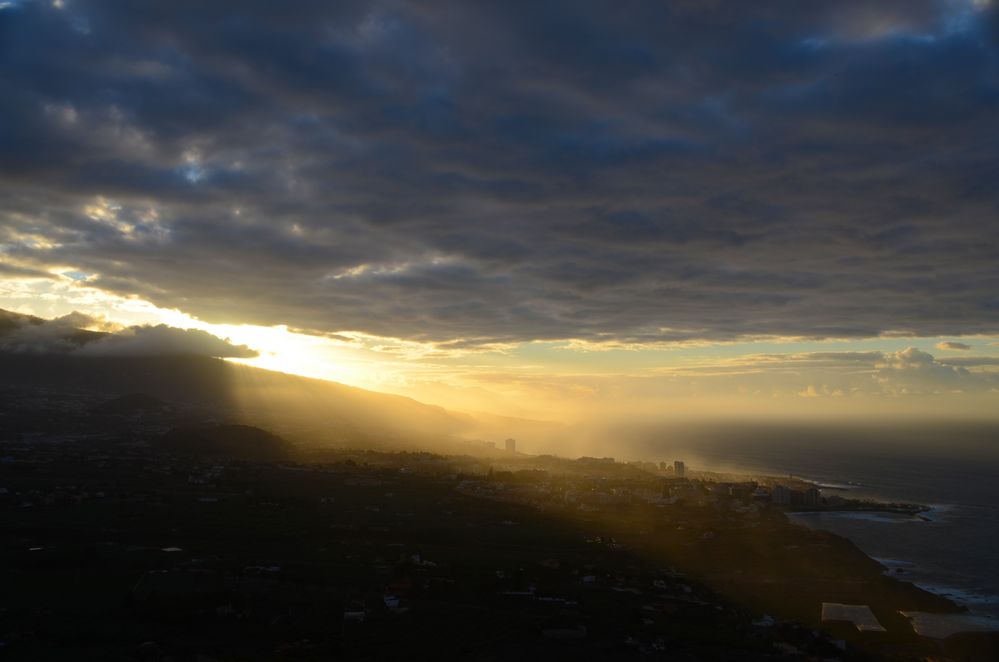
781, 495
679, 470
511, 445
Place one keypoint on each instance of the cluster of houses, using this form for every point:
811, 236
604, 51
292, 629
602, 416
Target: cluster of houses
673, 487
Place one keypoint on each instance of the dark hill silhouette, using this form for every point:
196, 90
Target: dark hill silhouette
305, 410
198, 388
239, 442
132, 403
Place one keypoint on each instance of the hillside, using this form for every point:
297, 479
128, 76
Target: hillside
57, 360
304, 410
240, 442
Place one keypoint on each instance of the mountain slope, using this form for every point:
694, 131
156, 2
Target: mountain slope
305, 410
56, 359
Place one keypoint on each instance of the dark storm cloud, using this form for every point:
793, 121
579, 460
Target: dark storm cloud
491, 172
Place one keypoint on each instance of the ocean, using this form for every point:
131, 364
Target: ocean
953, 550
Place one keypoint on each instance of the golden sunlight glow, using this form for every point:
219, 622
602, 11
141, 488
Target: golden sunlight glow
574, 380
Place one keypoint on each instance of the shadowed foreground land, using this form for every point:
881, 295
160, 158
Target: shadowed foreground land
128, 551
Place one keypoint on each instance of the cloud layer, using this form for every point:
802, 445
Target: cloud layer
481, 173
72, 334
841, 384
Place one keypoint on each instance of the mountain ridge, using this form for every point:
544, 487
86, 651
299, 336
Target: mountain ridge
305, 410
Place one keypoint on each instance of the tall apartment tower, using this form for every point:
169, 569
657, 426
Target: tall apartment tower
678, 469
511, 445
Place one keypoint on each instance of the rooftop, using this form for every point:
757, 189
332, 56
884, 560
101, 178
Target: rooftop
860, 615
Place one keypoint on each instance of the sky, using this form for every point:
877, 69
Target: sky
528, 208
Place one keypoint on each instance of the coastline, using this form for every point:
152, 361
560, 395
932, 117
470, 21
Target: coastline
971, 618
873, 510
910, 509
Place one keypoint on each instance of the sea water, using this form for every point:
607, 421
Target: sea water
953, 549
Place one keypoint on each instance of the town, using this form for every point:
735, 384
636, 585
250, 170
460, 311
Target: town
130, 549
